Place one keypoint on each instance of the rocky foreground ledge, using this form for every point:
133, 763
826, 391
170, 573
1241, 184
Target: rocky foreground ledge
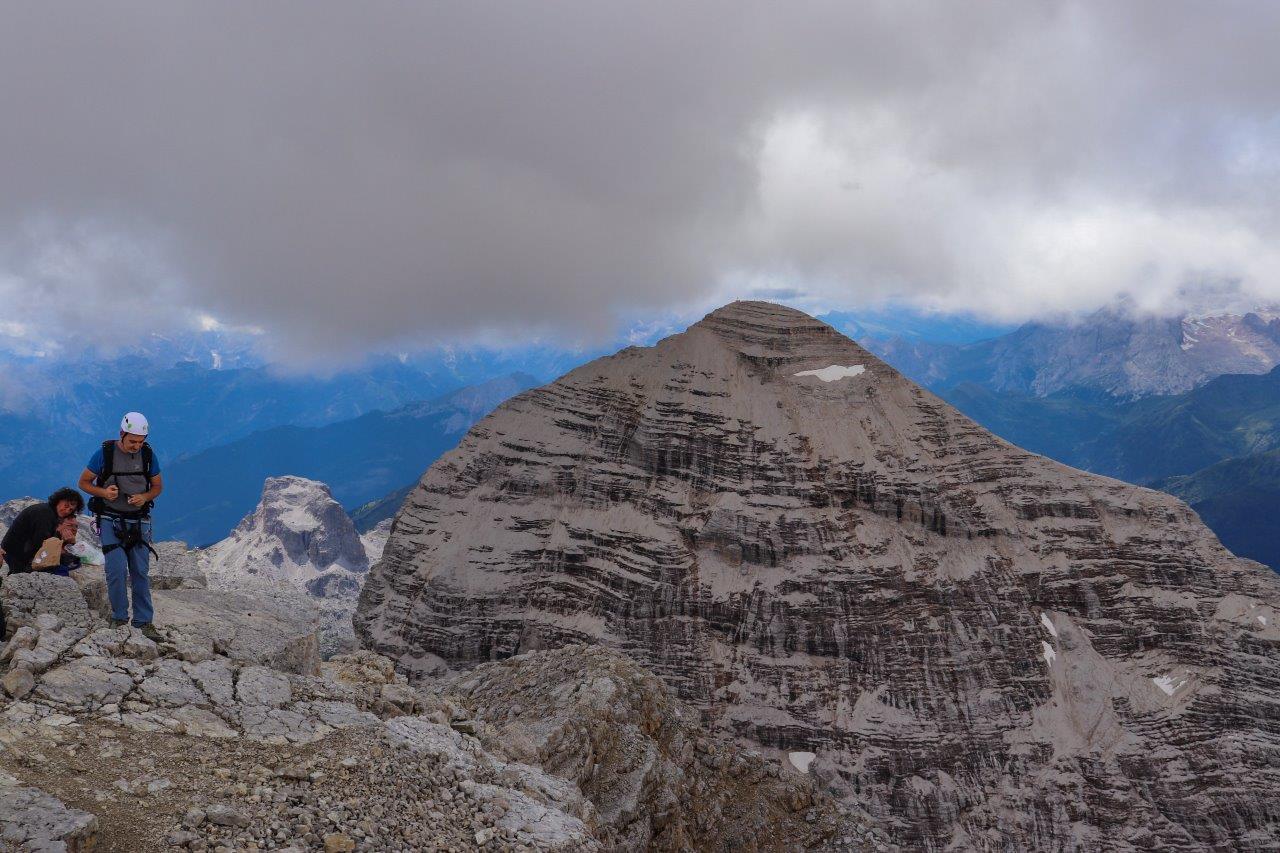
111, 742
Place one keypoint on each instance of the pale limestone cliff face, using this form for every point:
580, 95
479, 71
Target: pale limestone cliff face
299, 549
981, 646
298, 533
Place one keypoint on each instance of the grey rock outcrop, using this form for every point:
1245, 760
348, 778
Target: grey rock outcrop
657, 781
355, 758
32, 820
9, 511
27, 594
177, 567
247, 629
985, 648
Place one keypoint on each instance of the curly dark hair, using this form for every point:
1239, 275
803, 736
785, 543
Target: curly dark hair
67, 494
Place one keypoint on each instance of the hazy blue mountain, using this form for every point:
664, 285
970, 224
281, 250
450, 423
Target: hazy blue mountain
1216, 447
1136, 440
1069, 427
900, 322
361, 459
210, 386
190, 408
368, 516
1240, 501
1111, 351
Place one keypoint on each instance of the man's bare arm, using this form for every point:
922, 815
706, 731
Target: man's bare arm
86, 485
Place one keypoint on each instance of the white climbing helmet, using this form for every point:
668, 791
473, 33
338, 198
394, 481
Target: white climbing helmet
135, 423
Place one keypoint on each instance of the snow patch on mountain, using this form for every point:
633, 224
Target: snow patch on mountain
1167, 684
835, 372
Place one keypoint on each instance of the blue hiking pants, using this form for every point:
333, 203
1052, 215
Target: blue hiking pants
127, 570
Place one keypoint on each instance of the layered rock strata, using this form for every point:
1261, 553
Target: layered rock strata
986, 648
657, 780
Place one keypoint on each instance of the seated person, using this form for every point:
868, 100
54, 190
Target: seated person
35, 524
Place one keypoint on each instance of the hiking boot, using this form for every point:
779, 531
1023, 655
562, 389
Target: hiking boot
119, 623
149, 631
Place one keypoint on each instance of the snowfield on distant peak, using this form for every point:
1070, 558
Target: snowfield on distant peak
834, 372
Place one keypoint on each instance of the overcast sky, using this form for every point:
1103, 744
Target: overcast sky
345, 174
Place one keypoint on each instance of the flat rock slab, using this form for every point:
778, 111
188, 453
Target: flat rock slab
249, 630
30, 819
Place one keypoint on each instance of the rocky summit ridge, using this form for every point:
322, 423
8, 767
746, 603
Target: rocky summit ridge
982, 647
232, 734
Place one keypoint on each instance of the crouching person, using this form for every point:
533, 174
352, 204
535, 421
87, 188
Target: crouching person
32, 530
123, 478
35, 526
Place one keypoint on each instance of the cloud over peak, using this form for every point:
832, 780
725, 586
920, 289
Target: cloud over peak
342, 174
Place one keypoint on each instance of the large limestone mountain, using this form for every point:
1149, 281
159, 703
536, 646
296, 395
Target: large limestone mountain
984, 648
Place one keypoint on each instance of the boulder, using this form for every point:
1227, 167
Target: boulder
177, 567
23, 638
25, 596
263, 687
30, 819
92, 581
359, 667
18, 682
125, 642
169, 686
249, 630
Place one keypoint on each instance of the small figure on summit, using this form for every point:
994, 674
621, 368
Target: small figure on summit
123, 478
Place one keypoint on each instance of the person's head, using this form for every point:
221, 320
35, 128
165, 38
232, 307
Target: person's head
66, 502
133, 431
68, 528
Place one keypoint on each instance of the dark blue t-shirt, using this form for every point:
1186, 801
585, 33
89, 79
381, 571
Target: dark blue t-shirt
126, 474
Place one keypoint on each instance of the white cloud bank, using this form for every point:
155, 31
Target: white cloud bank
346, 174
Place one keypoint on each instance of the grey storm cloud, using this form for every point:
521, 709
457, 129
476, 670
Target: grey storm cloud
343, 174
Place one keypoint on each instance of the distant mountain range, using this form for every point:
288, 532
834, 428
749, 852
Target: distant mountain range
368, 516
1111, 351
1141, 441
1240, 501
55, 411
1162, 402
361, 459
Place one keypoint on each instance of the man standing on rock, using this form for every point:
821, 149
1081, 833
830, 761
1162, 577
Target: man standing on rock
123, 478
